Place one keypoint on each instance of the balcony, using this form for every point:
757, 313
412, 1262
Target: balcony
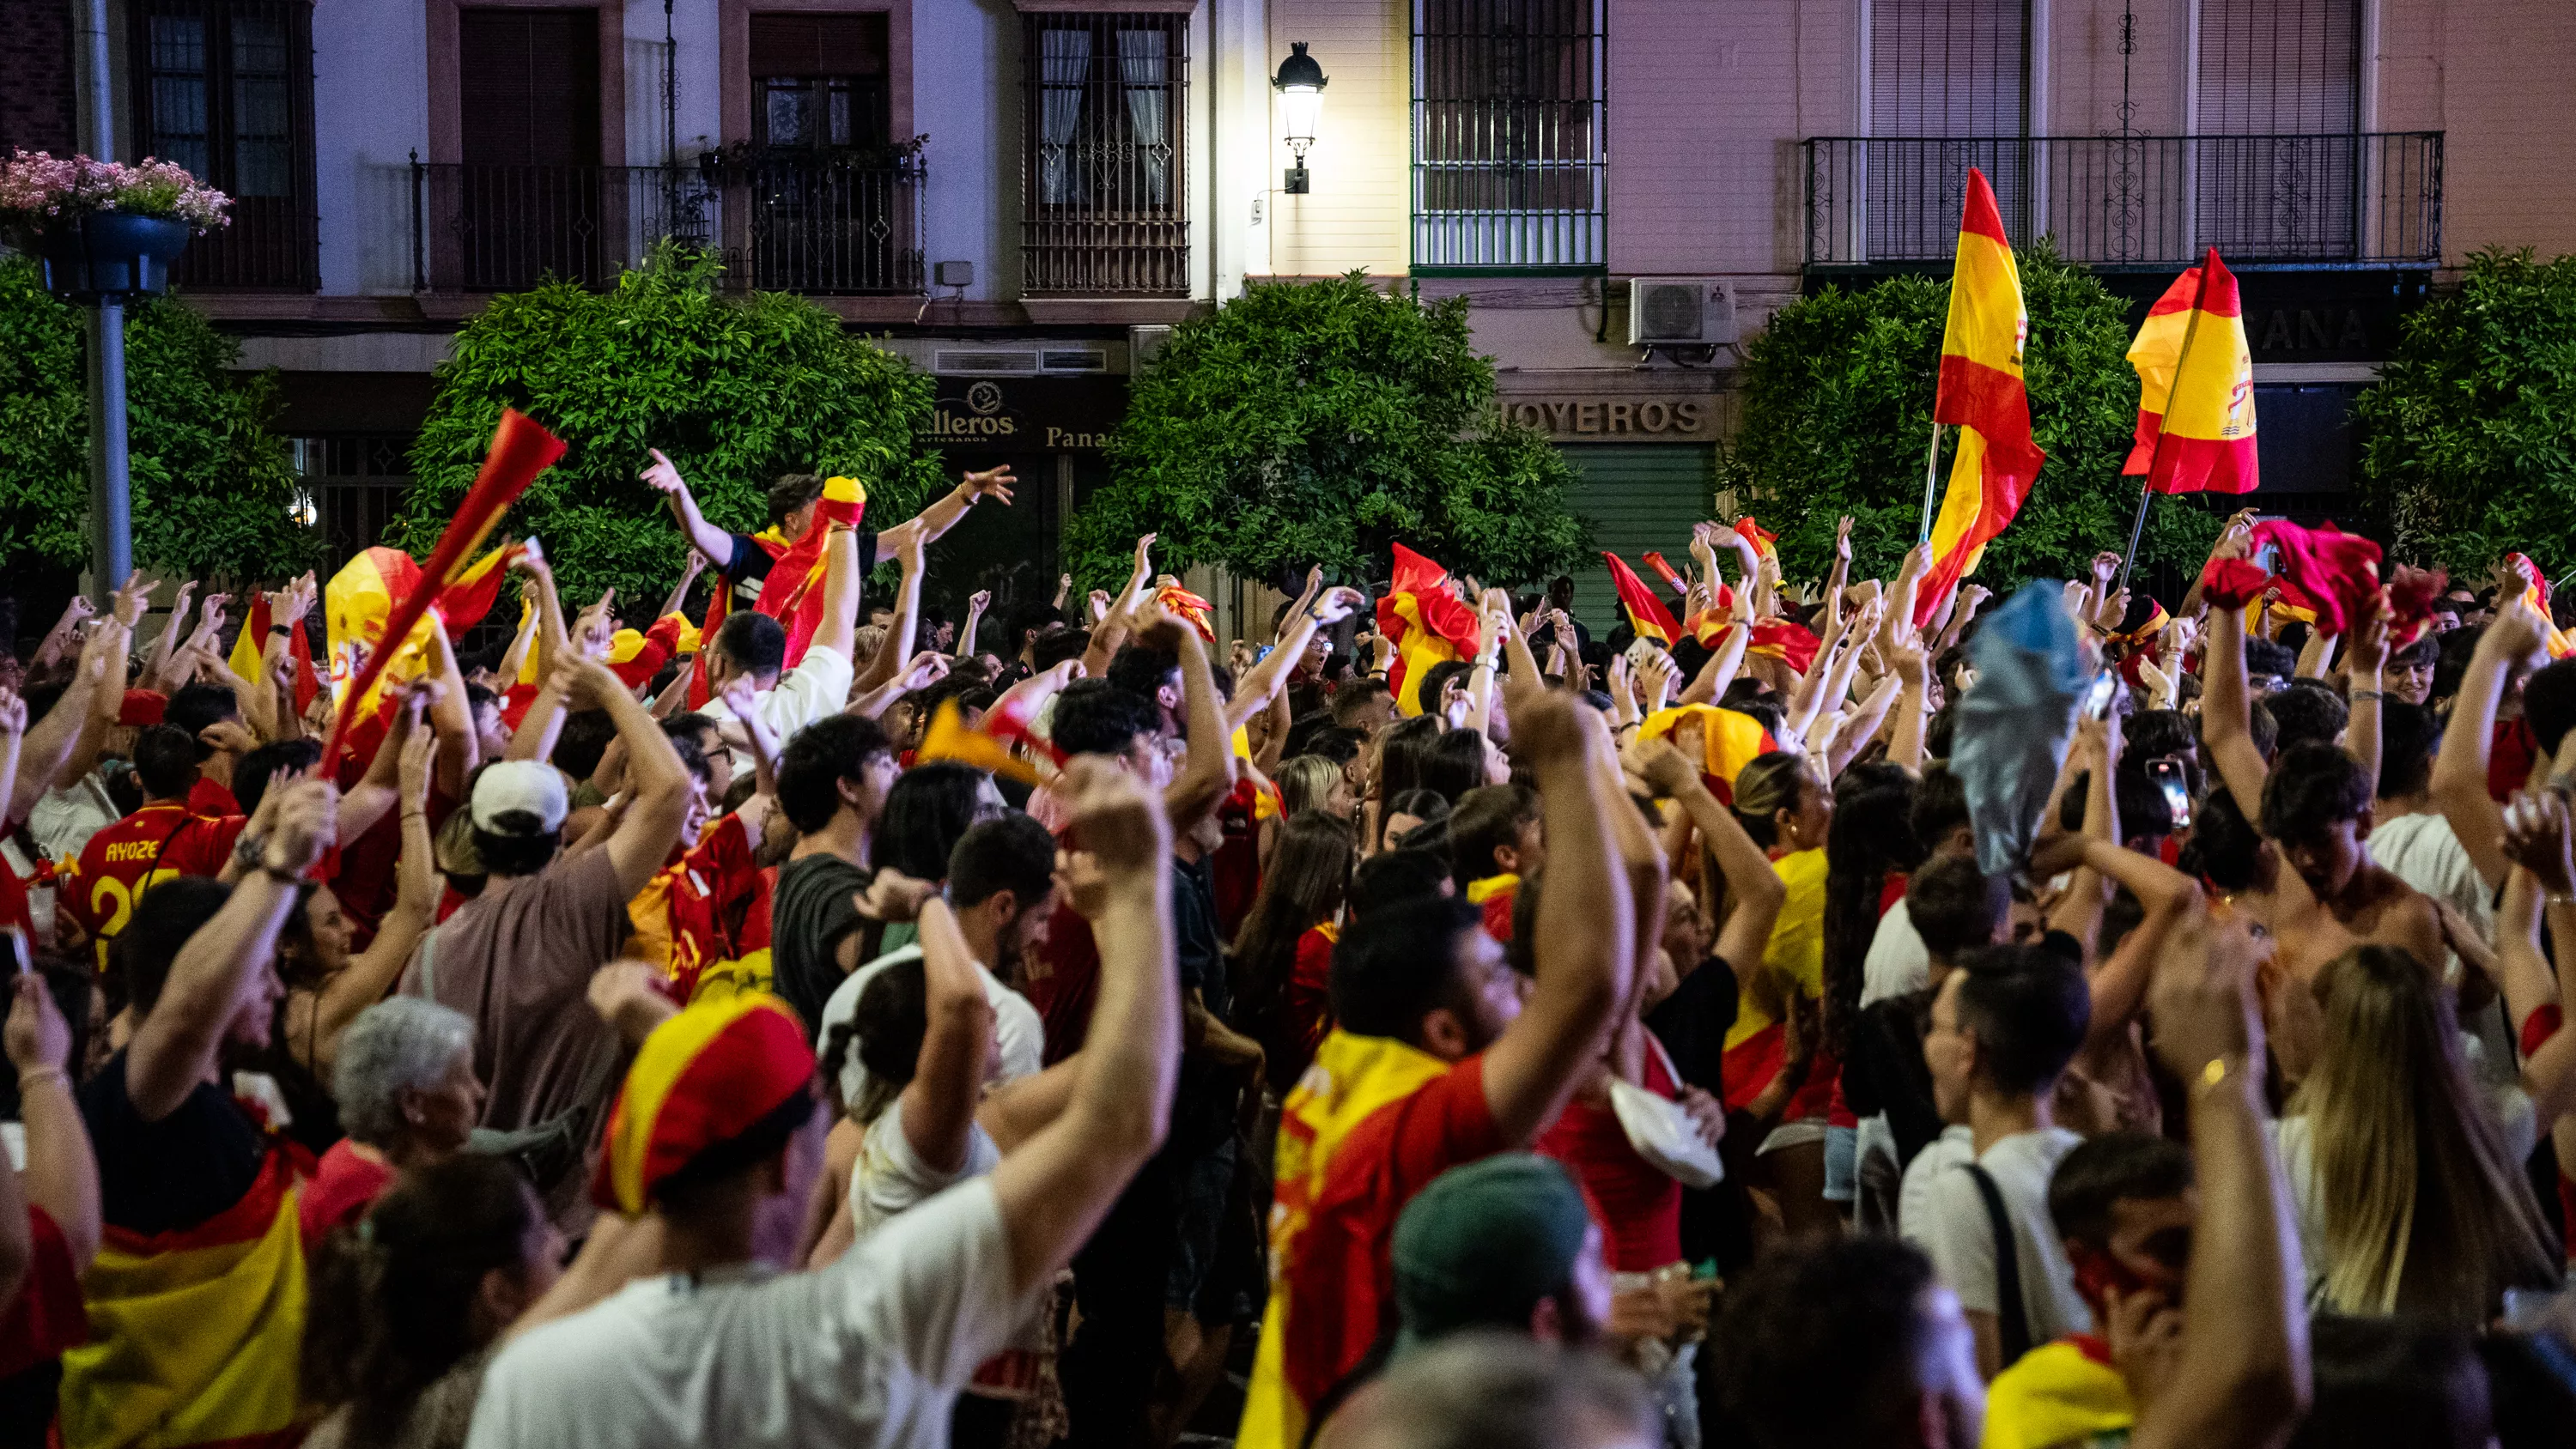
813, 224
2351, 200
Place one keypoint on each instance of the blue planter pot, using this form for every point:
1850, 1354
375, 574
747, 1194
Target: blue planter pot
110, 256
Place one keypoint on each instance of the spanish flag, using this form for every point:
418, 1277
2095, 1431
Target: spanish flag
520, 451
248, 651
2194, 364
1189, 606
951, 738
2536, 594
793, 594
1646, 613
361, 597
194, 1334
1728, 742
1425, 622
1786, 640
1981, 391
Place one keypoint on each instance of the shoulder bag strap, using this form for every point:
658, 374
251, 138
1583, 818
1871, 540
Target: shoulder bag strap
2012, 1317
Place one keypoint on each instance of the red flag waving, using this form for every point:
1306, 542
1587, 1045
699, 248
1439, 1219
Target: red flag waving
1426, 623
1646, 613
793, 592
520, 451
2339, 572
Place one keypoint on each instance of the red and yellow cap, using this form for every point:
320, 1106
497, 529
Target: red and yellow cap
703, 1078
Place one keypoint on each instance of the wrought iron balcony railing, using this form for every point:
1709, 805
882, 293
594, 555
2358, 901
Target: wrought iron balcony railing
2364, 199
815, 224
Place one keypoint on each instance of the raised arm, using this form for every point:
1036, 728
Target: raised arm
938, 1105
2537, 836
1055, 1189
709, 540
2241, 1380
2511, 644
1719, 671
841, 607
660, 783
62, 1171
1754, 890
1914, 681
459, 749
1584, 930
380, 788
373, 972
538, 577
156, 660
2367, 659
944, 512
2225, 713
59, 640
1207, 771
178, 1044
1253, 691
976, 604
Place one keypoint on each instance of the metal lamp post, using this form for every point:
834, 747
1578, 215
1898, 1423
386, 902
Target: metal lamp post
1300, 84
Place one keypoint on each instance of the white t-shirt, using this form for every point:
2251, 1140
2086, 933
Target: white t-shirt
869, 1351
1940, 1211
1898, 962
1016, 1022
819, 686
890, 1179
66, 817
2423, 851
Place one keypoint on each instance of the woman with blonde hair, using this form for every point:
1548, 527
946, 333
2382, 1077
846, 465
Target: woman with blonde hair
1785, 805
1312, 782
2407, 1177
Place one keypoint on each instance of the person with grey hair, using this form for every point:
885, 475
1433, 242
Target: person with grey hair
1492, 1390
408, 1095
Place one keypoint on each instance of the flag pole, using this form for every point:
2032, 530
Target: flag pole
2155, 454
1931, 480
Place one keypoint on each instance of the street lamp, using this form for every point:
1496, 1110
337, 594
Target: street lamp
1300, 84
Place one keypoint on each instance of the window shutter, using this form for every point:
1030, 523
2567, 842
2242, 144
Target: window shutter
2280, 67
529, 82
1949, 67
797, 44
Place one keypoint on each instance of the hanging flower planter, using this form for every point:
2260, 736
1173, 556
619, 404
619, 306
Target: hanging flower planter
102, 230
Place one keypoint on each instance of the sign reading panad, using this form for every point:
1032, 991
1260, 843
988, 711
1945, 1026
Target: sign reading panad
1025, 414
1632, 419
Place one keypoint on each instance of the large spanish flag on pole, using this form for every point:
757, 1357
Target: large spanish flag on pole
1646, 613
1425, 622
1981, 391
520, 451
2195, 388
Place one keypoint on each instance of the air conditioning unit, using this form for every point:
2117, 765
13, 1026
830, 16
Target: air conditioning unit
1144, 344
951, 361
1680, 312
1073, 359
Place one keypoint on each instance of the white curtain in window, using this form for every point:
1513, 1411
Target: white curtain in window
1145, 66
1064, 63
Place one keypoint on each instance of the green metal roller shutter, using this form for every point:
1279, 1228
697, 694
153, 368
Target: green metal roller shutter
1639, 496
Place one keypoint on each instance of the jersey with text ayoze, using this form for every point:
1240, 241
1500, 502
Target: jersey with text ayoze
154, 844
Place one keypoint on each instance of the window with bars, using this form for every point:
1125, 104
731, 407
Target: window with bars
225, 88
1104, 197
1508, 135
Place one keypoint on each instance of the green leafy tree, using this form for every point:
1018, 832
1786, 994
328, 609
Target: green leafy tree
2468, 438
214, 494
737, 390
1319, 422
1838, 413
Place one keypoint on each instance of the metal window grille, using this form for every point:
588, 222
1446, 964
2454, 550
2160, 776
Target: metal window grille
1509, 135
225, 88
355, 484
1104, 185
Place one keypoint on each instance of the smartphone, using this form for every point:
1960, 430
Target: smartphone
2097, 700
2165, 772
18, 953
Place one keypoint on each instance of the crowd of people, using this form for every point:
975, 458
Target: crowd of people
1856, 1018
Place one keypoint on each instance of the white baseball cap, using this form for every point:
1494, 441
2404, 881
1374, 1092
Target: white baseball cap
525, 785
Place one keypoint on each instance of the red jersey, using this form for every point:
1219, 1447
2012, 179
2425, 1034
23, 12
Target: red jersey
1309, 998
156, 843
690, 915
208, 798
1372, 1124
1235, 867
1638, 1204
48, 1315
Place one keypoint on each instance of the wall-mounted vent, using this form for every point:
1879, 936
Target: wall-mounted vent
949, 360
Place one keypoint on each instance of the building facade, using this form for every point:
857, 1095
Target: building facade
1019, 193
